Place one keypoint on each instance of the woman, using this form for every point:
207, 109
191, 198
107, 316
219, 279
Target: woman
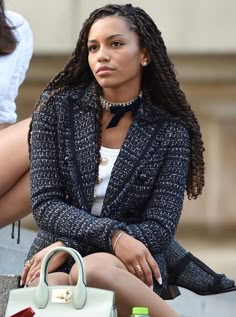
16, 47
114, 123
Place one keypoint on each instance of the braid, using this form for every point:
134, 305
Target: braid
159, 80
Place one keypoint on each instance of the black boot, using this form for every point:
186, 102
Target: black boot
185, 270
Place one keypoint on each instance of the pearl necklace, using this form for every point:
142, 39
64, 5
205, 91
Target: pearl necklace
106, 105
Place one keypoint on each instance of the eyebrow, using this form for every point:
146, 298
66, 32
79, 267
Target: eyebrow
108, 38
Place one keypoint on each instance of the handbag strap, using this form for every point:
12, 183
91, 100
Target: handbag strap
42, 290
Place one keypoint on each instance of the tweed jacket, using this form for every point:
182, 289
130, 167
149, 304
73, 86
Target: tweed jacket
146, 189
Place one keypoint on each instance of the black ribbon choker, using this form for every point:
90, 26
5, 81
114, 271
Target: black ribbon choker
119, 109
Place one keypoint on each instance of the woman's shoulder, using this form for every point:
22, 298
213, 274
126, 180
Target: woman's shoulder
68, 94
15, 19
20, 25
175, 127
56, 97
166, 121
73, 94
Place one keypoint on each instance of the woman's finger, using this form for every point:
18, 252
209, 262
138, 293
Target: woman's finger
34, 276
154, 268
130, 269
33, 270
147, 271
24, 275
27, 266
139, 272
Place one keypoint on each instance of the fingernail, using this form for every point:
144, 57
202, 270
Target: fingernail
151, 287
159, 280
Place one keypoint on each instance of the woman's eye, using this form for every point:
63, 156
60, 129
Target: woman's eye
116, 44
92, 48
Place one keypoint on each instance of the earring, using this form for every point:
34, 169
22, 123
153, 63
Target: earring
144, 63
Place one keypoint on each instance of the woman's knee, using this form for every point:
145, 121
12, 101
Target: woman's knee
99, 267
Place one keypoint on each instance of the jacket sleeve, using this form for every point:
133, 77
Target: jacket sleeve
162, 213
50, 208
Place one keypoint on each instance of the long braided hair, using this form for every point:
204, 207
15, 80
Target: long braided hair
159, 80
8, 41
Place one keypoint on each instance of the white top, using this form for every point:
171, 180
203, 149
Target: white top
108, 158
13, 67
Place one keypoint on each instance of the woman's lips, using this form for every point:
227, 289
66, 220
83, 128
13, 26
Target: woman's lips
104, 70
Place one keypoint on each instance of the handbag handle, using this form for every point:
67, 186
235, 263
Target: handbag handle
42, 291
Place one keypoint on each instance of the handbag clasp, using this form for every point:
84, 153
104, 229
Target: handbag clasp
61, 296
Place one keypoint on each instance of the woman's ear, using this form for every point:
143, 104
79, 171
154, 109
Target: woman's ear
145, 57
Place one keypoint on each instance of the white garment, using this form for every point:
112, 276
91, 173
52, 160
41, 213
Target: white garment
108, 158
13, 66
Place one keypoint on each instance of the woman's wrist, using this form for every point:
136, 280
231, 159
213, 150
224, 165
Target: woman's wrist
116, 237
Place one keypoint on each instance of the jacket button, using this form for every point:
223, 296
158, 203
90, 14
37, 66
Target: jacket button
142, 177
104, 161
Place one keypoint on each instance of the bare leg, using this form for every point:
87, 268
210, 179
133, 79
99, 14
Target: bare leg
14, 157
4, 125
14, 176
103, 270
16, 204
57, 278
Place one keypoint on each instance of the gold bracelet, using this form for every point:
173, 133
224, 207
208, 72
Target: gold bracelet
117, 239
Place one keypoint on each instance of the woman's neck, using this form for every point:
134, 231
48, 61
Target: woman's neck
120, 95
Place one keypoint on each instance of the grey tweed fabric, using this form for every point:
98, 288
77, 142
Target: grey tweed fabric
146, 189
7, 283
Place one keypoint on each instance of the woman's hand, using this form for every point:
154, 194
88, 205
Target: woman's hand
137, 258
32, 267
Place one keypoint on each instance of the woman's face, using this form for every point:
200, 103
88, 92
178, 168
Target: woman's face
114, 54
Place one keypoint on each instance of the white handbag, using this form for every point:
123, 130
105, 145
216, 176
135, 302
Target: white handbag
62, 300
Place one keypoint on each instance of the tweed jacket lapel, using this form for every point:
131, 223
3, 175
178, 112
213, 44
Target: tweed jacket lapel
83, 144
141, 133
83, 137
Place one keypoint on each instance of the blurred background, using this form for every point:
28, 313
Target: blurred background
200, 37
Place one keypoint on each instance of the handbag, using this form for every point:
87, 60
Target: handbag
62, 300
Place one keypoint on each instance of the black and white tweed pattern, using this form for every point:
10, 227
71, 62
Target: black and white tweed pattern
146, 190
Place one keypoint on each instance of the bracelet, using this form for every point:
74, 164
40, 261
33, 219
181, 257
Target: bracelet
117, 239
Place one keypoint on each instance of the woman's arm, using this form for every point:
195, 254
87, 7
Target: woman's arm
162, 213
50, 208
54, 214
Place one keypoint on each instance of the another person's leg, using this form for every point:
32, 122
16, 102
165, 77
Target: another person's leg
14, 173
16, 203
106, 271
4, 125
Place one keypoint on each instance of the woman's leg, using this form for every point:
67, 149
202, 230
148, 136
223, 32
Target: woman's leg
4, 125
14, 175
187, 271
14, 157
106, 271
57, 278
16, 204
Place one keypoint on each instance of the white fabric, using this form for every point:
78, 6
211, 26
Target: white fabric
14, 66
104, 176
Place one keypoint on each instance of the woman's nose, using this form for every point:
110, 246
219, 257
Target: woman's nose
103, 55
